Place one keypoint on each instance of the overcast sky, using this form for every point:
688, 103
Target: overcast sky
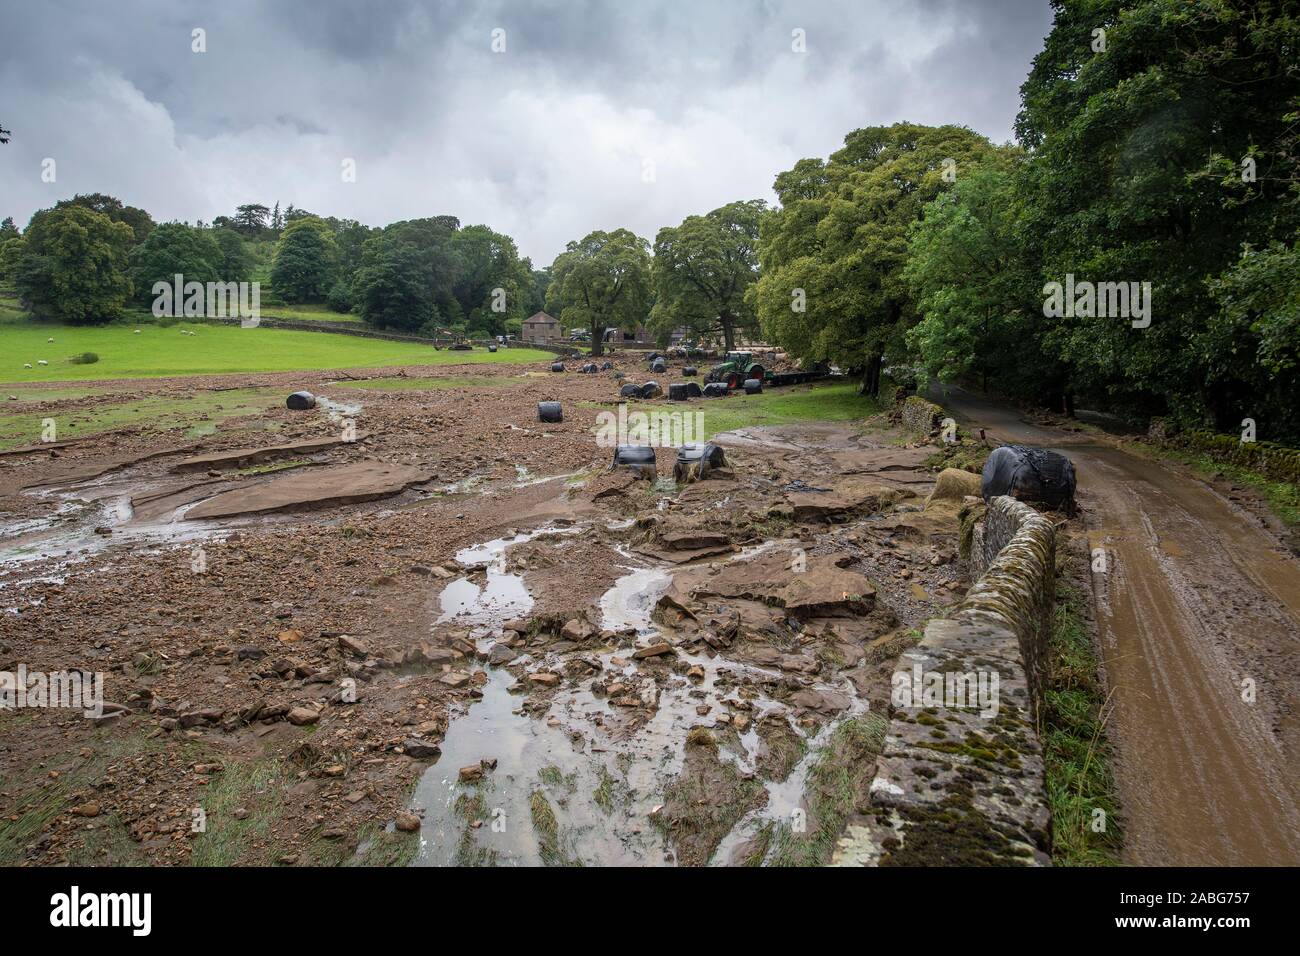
546, 141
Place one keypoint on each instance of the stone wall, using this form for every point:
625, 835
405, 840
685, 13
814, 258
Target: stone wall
1262, 457
1014, 555
361, 331
920, 417
961, 782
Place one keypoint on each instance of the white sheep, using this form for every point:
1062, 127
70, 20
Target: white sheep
137, 332
27, 365
50, 339
42, 362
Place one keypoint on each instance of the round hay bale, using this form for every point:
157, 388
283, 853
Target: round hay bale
689, 371
659, 365
693, 390
716, 390
630, 390
300, 401
753, 386
550, 412
557, 366
678, 392
651, 390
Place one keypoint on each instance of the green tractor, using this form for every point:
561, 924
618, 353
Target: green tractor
735, 368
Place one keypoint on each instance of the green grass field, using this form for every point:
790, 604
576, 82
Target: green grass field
157, 351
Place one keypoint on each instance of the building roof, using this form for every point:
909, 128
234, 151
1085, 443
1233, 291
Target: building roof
542, 317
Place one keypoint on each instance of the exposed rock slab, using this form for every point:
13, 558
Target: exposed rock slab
240, 457
318, 488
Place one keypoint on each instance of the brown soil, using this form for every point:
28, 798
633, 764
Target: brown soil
295, 673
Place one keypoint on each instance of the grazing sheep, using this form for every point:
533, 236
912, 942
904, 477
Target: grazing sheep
51, 339
27, 365
42, 362
137, 332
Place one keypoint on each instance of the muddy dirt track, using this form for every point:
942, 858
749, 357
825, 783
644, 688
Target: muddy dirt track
1197, 598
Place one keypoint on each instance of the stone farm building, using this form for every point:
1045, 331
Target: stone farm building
541, 329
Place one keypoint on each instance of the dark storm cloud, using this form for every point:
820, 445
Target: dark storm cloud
546, 141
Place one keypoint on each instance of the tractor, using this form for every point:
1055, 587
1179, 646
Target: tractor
735, 368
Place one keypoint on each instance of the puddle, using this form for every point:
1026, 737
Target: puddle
338, 411
503, 596
600, 778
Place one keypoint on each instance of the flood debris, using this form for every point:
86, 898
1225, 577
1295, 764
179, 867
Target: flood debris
550, 412
300, 401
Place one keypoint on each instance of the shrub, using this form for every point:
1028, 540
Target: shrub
85, 358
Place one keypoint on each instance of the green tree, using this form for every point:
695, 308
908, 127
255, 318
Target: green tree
306, 258
141, 222
175, 248
251, 218
973, 272
237, 261
703, 270
832, 256
11, 251
1154, 157
8, 230
73, 265
486, 262
406, 274
602, 282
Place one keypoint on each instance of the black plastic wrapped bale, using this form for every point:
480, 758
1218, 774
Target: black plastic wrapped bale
589, 368
652, 356
753, 386
606, 366
651, 390
640, 458
557, 366
301, 401
693, 390
678, 392
1030, 474
492, 348
630, 390
549, 412
696, 459
659, 365
690, 371
715, 390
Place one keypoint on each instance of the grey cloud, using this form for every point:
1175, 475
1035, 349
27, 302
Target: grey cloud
545, 142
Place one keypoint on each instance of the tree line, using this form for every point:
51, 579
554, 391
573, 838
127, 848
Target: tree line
1157, 150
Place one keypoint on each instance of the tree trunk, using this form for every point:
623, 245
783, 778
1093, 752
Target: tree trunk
597, 339
728, 331
871, 377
